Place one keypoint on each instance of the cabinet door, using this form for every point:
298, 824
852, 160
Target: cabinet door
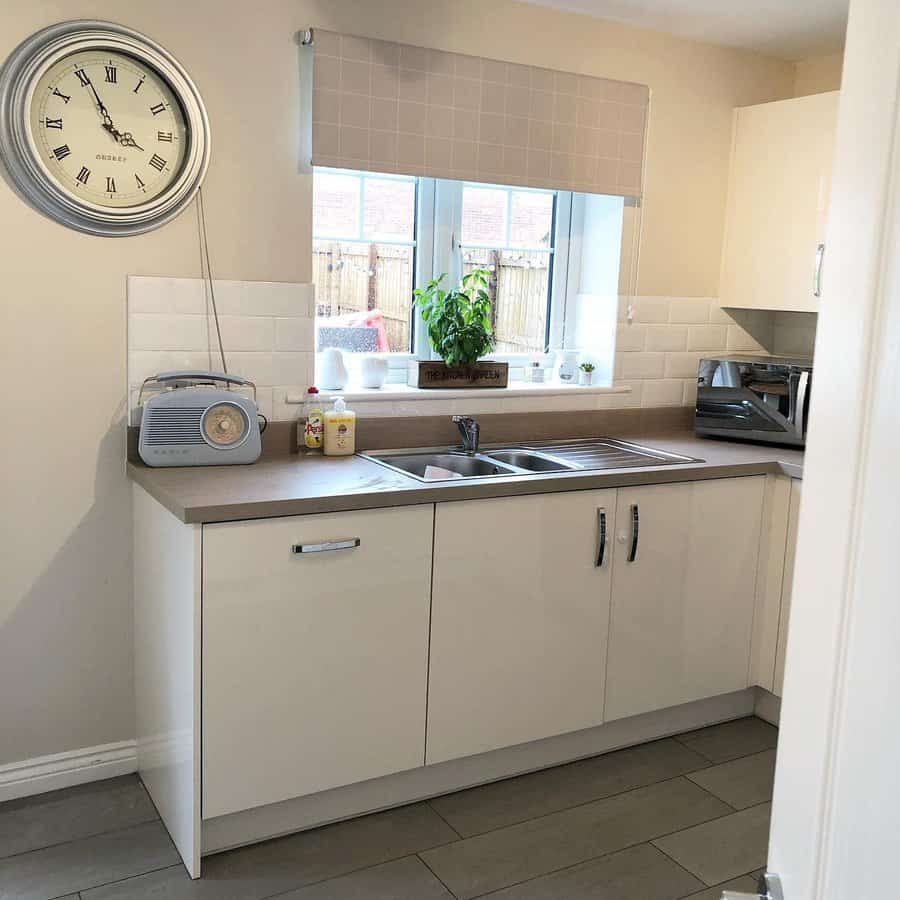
314, 664
520, 613
777, 202
787, 584
684, 576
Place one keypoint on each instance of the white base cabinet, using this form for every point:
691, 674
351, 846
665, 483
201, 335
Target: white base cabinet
314, 663
787, 585
309, 686
684, 577
520, 612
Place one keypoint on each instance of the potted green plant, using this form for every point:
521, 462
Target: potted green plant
459, 330
586, 375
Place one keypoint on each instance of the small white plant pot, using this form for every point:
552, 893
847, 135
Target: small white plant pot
585, 378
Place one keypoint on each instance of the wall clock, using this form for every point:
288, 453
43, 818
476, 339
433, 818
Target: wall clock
101, 128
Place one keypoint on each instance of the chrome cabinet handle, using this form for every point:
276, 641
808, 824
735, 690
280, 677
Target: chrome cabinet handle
635, 530
326, 546
817, 277
601, 536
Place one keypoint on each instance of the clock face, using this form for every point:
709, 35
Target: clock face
108, 129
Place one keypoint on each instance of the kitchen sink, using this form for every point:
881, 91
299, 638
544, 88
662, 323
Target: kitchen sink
532, 458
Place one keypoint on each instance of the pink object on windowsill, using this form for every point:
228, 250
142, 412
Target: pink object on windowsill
371, 319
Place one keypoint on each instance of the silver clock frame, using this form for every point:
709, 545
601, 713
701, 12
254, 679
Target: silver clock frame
26, 170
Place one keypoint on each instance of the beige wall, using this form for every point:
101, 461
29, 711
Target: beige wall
818, 74
65, 607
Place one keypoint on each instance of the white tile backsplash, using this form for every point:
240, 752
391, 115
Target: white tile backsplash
267, 332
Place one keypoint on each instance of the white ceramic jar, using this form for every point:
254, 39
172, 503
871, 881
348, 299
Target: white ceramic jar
373, 371
331, 371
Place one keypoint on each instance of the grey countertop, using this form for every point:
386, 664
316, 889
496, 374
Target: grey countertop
292, 484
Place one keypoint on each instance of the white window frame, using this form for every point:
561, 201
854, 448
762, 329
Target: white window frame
436, 245
448, 254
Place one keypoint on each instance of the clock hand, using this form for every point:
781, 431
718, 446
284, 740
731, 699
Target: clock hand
127, 140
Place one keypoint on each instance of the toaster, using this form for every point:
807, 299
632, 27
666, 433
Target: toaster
194, 422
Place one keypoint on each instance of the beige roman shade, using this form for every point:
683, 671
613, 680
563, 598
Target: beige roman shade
387, 107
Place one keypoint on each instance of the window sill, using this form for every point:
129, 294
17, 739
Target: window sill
515, 389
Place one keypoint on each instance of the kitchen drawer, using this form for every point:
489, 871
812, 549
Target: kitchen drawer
314, 664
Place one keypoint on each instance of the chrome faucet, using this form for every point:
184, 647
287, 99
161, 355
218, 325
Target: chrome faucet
470, 431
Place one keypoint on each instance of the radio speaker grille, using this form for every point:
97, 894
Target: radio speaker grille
175, 425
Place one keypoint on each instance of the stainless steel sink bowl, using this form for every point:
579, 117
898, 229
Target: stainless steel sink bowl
430, 465
531, 458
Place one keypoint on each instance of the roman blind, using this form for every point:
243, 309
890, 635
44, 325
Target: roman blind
388, 107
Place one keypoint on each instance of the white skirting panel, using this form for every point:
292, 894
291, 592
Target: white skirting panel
767, 706
167, 567
264, 822
62, 770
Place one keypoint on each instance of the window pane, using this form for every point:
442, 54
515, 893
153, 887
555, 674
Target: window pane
484, 215
520, 283
531, 219
519, 289
364, 281
390, 209
336, 205
363, 295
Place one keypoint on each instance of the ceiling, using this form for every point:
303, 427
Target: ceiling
790, 29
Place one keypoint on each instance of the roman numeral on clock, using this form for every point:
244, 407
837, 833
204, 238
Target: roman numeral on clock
64, 97
62, 152
156, 110
110, 185
140, 183
83, 175
138, 86
110, 74
164, 136
157, 162
53, 123
83, 80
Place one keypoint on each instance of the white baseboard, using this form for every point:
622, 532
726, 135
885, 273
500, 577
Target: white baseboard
61, 770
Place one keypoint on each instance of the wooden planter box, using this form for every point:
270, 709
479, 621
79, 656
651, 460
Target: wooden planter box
437, 374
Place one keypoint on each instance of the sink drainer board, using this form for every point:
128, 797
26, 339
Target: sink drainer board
525, 458
600, 453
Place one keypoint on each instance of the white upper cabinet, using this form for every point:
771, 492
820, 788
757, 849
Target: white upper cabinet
520, 613
778, 203
684, 576
314, 662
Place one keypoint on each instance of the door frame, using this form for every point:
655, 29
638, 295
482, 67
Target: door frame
835, 815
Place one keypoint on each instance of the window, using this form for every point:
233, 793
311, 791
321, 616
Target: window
558, 262
510, 232
364, 252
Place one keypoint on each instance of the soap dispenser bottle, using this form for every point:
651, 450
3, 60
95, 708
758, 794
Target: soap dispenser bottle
340, 430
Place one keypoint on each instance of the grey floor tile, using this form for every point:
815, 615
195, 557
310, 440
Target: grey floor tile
73, 813
719, 743
745, 883
517, 799
726, 848
638, 873
742, 782
402, 879
291, 862
74, 866
517, 853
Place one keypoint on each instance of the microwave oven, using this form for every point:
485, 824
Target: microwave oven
754, 398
